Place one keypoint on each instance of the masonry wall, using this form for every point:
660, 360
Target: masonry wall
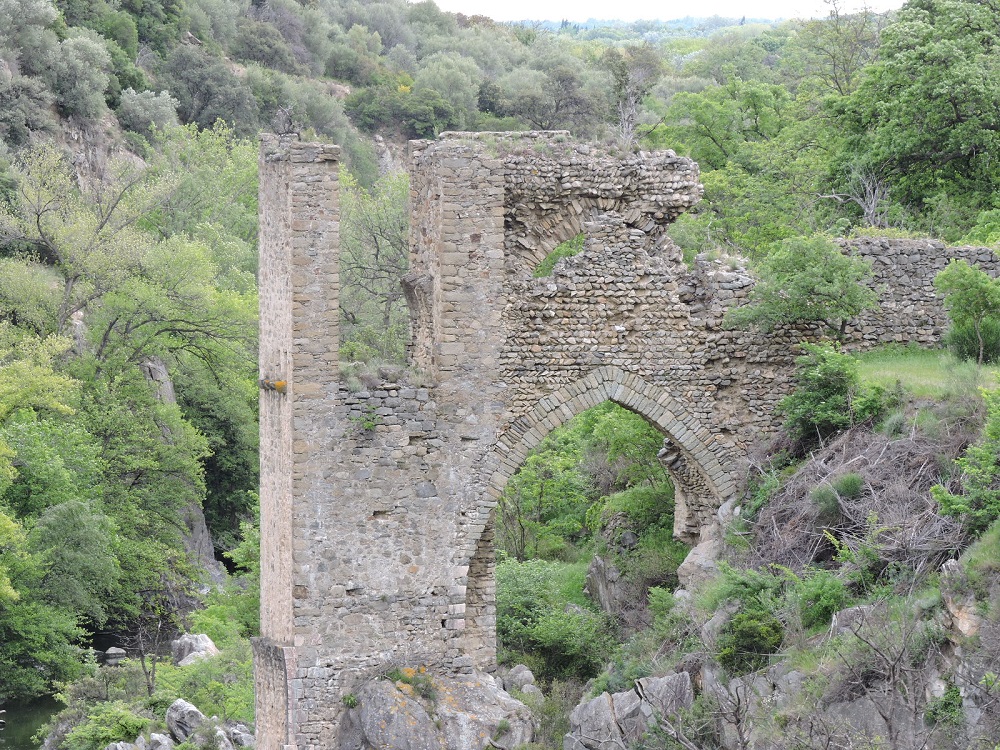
909, 309
377, 505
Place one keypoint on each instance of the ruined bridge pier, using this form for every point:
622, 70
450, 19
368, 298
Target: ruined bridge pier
376, 506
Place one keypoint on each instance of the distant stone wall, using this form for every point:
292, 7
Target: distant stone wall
904, 269
377, 505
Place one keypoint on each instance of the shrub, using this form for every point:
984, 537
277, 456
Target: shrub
946, 709
533, 617
207, 90
971, 298
565, 250
262, 43
849, 486
829, 396
81, 74
894, 424
963, 341
818, 597
747, 641
656, 558
26, 104
979, 504
826, 499
142, 111
107, 723
646, 506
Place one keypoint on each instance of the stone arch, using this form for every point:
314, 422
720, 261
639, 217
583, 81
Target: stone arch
609, 383
532, 232
691, 456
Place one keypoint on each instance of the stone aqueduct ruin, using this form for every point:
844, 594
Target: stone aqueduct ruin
376, 506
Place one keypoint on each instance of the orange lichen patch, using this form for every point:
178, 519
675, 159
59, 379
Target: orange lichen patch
409, 672
405, 688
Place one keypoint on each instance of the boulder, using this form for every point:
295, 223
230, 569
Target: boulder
700, 565
459, 713
614, 593
613, 722
390, 718
183, 720
160, 742
668, 694
114, 656
517, 678
593, 726
191, 647
630, 715
961, 605
471, 709
217, 739
241, 736
850, 619
120, 746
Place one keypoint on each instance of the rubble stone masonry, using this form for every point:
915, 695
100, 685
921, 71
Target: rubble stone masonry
376, 506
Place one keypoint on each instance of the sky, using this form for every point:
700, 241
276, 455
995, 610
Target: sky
663, 10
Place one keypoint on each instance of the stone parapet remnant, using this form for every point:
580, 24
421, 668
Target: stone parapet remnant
903, 270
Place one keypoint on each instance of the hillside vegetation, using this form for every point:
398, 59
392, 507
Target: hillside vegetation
128, 224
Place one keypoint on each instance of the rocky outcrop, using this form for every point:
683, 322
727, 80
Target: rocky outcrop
197, 538
966, 614
183, 720
435, 713
518, 678
614, 593
613, 722
160, 742
192, 647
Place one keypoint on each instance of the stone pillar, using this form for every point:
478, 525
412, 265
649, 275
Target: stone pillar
298, 286
457, 278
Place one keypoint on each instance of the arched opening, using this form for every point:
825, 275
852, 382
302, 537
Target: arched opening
681, 450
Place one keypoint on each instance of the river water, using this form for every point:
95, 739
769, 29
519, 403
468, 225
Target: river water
23, 721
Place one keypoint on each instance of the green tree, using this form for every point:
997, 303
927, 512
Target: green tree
207, 90
828, 395
545, 501
929, 107
807, 280
971, 296
90, 239
37, 640
73, 544
456, 78
834, 51
532, 619
81, 74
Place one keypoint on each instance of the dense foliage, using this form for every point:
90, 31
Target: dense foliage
128, 297
109, 289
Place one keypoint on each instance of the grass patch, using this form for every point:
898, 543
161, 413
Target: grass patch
569, 580
983, 557
924, 373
